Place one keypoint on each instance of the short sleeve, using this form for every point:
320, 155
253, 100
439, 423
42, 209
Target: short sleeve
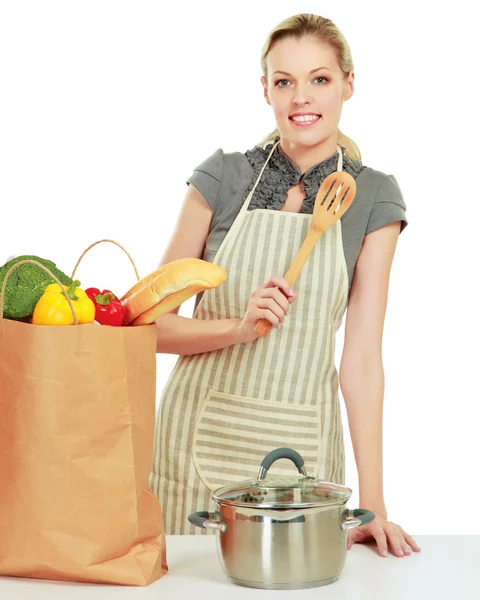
389, 206
208, 176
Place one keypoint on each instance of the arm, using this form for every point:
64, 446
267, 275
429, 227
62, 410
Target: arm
180, 335
361, 369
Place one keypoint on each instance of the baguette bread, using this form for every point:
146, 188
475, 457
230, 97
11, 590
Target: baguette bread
168, 287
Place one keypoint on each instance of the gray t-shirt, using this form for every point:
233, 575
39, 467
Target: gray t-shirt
226, 178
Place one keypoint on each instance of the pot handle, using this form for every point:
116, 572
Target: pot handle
206, 520
355, 518
274, 455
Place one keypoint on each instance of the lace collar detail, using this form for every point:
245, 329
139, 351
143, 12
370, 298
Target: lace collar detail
281, 173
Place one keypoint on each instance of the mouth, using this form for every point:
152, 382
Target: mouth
306, 120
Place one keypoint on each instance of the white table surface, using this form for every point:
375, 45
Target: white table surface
448, 567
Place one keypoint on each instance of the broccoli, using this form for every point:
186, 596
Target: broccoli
26, 285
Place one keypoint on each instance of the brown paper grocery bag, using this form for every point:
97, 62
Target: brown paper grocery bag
77, 411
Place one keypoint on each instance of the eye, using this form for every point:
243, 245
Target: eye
280, 81
321, 77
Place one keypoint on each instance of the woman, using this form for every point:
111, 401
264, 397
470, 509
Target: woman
233, 396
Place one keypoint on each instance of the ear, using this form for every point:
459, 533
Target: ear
349, 86
265, 89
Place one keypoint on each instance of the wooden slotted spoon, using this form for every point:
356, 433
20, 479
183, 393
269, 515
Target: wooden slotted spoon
333, 199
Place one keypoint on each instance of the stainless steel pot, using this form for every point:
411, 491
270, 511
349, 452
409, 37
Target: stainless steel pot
282, 533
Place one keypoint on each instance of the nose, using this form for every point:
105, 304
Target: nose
301, 96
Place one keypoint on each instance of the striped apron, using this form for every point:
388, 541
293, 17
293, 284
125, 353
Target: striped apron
221, 412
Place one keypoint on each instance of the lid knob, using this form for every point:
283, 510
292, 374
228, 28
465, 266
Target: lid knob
274, 455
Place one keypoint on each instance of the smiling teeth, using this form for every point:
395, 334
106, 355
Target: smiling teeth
306, 118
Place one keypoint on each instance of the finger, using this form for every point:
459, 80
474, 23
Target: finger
395, 540
278, 296
270, 304
285, 294
381, 540
294, 297
352, 538
411, 542
405, 549
281, 283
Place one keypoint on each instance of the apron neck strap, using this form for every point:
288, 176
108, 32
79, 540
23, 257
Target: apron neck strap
250, 195
340, 158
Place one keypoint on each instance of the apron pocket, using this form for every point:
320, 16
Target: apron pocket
233, 434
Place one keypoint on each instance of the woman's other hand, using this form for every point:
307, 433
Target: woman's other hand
386, 534
272, 302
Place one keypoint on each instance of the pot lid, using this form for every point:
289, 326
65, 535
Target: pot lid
283, 492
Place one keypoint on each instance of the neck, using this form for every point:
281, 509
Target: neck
306, 157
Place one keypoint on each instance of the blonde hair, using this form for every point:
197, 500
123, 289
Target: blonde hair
323, 29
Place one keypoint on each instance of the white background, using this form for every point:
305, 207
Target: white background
107, 107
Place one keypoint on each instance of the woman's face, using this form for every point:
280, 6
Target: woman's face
304, 78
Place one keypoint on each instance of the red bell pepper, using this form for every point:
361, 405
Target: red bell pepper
108, 308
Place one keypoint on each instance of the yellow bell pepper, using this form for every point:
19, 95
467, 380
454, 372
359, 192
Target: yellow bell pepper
53, 308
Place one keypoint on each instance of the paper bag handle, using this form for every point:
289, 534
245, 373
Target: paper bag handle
34, 262
112, 242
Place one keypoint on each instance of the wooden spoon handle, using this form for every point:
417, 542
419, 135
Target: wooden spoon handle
306, 248
263, 326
